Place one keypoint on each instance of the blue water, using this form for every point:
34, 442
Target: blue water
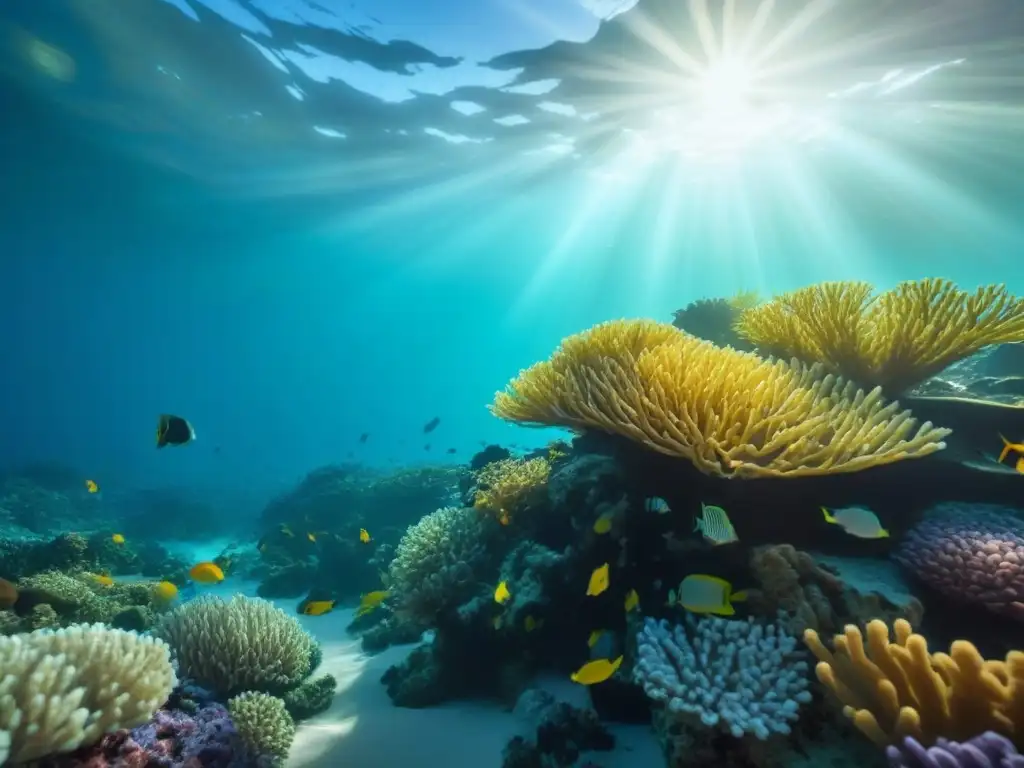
281, 219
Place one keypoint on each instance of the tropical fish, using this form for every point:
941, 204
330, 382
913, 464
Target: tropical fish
857, 521
311, 537
431, 425
632, 600
701, 593
117, 538
426, 447
715, 525
318, 607
598, 581
603, 524
657, 505
596, 671
286, 531
103, 580
164, 591
1017, 448
371, 601
91, 487
206, 573
595, 637
364, 437
364, 536
501, 593
8, 594
173, 430
503, 517
451, 451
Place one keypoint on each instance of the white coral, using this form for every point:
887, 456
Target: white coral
63, 689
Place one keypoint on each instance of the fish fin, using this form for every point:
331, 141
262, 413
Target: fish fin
739, 597
696, 524
883, 533
726, 610
1007, 447
828, 517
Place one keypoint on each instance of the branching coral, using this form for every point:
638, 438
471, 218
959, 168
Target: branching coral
894, 340
894, 689
65, 689
731, 413
506, 486
263, 725
238, 645
436, 562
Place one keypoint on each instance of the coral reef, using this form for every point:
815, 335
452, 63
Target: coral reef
894, 340
740, 676
730, 413
969, 553
237, 645
989, 750
892, 689
263, 724
557, 733
64, 689
310, 698
505, 487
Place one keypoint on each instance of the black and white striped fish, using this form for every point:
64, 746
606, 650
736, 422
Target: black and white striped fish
715, 525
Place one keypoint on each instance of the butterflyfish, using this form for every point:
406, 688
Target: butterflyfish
598, 581
701, 593
91, 487
632, 600
206, 573
1017, 448
715, 525
596, 671
603, 524
364, 536
595, 637
117, 538
318, 607
371, 601
857, 521
164, 591
501, 594
173, 430
657, 505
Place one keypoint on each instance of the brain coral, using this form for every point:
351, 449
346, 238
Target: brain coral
971, 553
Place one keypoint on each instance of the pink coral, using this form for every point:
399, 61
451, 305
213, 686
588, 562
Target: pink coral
970, 553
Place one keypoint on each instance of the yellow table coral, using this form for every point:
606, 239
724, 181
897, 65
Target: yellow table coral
894, 340
896, 688
732, 414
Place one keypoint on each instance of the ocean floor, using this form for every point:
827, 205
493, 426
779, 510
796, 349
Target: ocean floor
363, 729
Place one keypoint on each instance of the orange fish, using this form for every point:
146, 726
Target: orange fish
318, 607
206, 573
1017, 448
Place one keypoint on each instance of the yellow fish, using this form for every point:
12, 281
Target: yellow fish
1017, 448
311, 537
103, 580
632, 600
364, 536
595, 637
91, 486
318, 607
701, 593
501, 594
603, 524
117, 538
857, 521
596, 671
503, 518
164, 591
370, 601
598, 581
206, 573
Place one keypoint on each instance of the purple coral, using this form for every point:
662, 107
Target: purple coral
970, 553
990, 750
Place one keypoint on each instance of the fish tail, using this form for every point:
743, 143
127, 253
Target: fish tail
828, 517
884, 533
739, 597
1007, 447
696, 525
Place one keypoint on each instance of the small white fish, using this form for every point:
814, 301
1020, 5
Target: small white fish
857, 521
657, 505
715, 525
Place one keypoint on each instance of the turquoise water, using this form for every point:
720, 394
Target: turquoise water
313, 227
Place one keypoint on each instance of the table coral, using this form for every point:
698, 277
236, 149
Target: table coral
970, 553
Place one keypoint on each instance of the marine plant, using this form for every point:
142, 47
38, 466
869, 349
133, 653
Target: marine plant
264, 725
893, 340
60, 690
236, 645
732, 414
892, 688
508, 485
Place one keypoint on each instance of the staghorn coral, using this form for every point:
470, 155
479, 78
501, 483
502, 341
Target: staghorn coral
506, 486
892, 689
970, 553
263, 724
436, 563
894, 340
64, 689
237, 645
730, 413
